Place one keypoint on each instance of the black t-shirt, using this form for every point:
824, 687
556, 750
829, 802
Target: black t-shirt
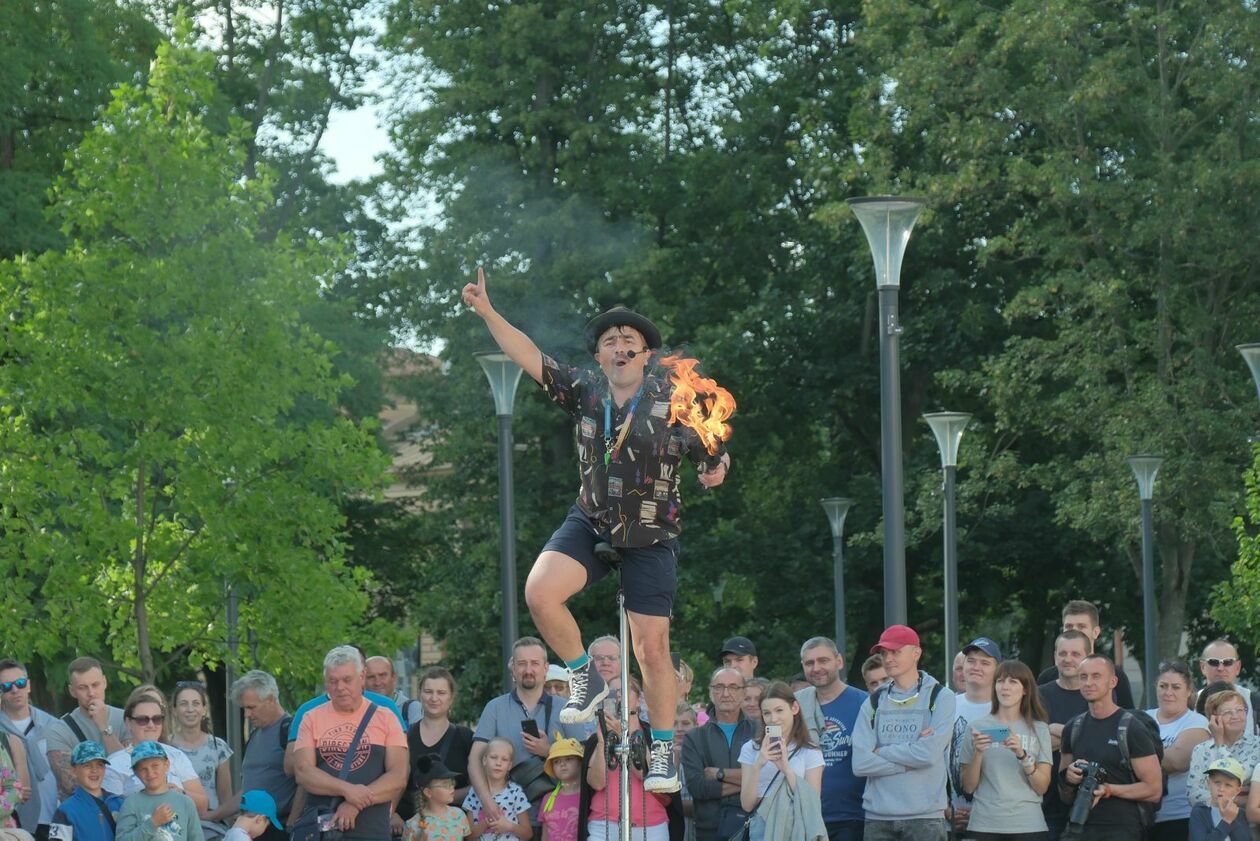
1098, 743
1062, 705
454, 746
1122, 694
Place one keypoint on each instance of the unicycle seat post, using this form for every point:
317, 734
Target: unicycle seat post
623, 712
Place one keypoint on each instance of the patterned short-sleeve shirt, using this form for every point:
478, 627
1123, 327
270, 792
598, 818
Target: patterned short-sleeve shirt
511, 800
450, 825
635, 495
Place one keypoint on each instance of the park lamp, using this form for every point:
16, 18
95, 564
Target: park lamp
1144, 469
887, 222
837, 508
1251, 353
504, 375
948, 428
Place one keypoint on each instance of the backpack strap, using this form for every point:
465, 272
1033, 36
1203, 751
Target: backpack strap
68, 718
285, 724
881, 691
876, 697
1122, 739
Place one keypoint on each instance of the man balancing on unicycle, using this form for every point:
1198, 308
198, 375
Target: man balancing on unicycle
628, 506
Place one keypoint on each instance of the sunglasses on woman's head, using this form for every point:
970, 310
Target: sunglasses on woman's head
147, 720
10, 685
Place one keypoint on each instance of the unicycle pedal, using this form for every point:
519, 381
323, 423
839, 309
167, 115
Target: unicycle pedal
638, 751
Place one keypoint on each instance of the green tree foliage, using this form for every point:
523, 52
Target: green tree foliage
158, 392
1236, 606
1098, 159
60, 60
1074, 284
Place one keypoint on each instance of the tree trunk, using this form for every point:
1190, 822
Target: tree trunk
1174, 560
139, 561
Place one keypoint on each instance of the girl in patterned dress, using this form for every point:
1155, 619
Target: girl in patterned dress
435, 818
513, 821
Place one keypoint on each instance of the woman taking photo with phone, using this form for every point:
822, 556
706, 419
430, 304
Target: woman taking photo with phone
1006, 764
782, 770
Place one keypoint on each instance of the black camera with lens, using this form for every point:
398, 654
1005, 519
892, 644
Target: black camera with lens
1093, 775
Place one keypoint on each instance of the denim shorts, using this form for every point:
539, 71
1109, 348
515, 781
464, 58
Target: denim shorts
649, 574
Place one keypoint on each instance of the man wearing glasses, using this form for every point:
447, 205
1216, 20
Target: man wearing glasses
605, 653
710, 758
1220, 662
30, 724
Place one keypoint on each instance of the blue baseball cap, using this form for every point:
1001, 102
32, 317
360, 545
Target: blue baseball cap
261, 803
147, 750
985, 646
85, 752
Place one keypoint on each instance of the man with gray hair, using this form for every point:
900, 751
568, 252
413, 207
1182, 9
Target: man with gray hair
375, 697
710, 758
605, 653
350, 755
830, 709
257, 695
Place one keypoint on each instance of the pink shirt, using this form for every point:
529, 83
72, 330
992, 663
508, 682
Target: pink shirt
561, 819
655, 803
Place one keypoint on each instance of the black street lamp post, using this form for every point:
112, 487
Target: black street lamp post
948, 428
504, 375
837, 509
887, 222
1144, 469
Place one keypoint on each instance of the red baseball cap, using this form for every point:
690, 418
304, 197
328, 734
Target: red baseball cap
894, 637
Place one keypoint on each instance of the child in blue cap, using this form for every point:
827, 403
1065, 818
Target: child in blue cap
258, 808
89, 811
158, 813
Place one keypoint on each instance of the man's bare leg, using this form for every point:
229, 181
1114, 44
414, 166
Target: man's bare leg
554, 579
650, 636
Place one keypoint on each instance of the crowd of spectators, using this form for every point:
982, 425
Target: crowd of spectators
995, 753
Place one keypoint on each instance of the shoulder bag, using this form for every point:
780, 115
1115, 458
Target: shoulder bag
309, 827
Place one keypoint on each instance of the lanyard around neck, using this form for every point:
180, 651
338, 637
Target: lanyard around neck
611, 450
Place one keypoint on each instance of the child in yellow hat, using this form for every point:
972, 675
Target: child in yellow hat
559, 812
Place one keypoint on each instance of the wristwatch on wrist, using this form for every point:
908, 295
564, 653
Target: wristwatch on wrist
108, 731
721, 775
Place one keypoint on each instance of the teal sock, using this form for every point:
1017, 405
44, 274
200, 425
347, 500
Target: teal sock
579, 663
662, 735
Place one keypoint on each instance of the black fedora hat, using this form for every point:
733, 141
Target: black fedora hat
621, 317
430, 767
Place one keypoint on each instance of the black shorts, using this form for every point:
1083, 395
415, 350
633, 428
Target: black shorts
649, 574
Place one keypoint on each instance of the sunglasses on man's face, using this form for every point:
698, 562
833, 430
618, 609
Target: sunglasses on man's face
10, 685
148, 720
1217, 663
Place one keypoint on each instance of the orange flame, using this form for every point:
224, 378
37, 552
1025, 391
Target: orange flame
698, 402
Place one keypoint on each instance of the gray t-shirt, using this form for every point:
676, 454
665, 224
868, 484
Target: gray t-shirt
62, 738
206, 760
263, 765
1005, 800
135, 818
502, 716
